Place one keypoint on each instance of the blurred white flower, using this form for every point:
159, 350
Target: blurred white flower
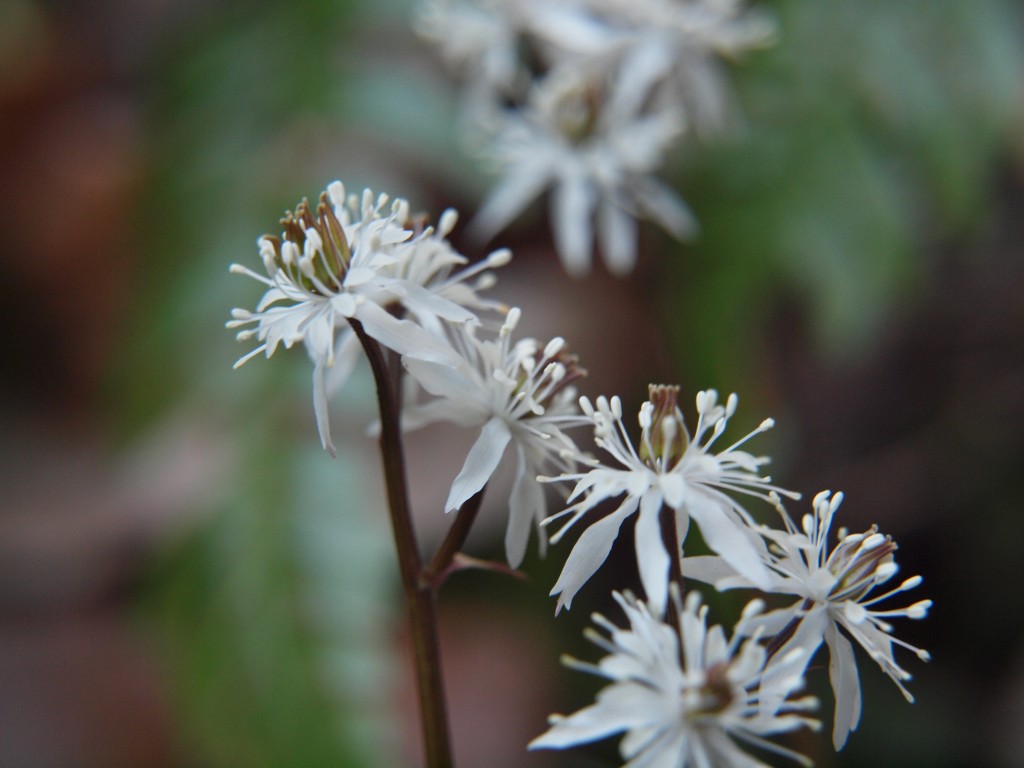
672, 469
478, 40
355, 259
586, 98
685, 696
836, 589
670, 52
521, 397
599, 166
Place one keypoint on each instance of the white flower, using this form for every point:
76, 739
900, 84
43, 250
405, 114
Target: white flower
670, 52
585, 98
671, 469
429, 268
519, 395
478, 40
836, 589
599, 165
352, 260
688, 708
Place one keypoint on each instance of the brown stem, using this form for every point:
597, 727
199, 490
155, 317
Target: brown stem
419, 596
786, 632
670, 539
434, 574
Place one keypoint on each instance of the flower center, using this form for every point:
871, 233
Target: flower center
664, 438
859, 562
574, 108
312, 250
714, 696
539, 382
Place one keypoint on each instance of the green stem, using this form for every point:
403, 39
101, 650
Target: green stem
419, 595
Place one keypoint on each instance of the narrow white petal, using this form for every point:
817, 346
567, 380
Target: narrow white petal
842, 672
641, 66
571, 207
617, 231
723, 751
525, 508
713, 570
674, 488
450, 382
357, 276
665, 208
617, 708
347, 352
729, 539
508, 200
323, 419
417, 416
651, 557
773, 622
419, 299
590, 552
481, 462
403, 336
665, 752
784, 672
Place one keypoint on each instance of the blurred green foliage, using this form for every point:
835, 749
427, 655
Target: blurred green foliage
871, 132
276, 617
278, 661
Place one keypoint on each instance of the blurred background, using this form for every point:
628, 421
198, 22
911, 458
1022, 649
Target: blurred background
186, 579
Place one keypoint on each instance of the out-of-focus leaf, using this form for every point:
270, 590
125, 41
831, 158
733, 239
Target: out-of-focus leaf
277, 614
234, 101
274, 613
871, 130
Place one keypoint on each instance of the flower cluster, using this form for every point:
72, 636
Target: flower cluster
834, 589
356, 259
675, 470
521, 396
586, 98
359, 259
360, 272
674, 475
684, 694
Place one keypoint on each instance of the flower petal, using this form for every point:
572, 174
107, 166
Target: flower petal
347, 352
713, 570
507, 200
450, 382
403, 336
421, 300
525, 506
571, 205
480, 464
617, 708
842, 673
323, 419
651, 557
665, 208
729, 539
617, 232
589, 553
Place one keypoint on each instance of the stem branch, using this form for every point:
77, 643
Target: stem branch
435, 572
